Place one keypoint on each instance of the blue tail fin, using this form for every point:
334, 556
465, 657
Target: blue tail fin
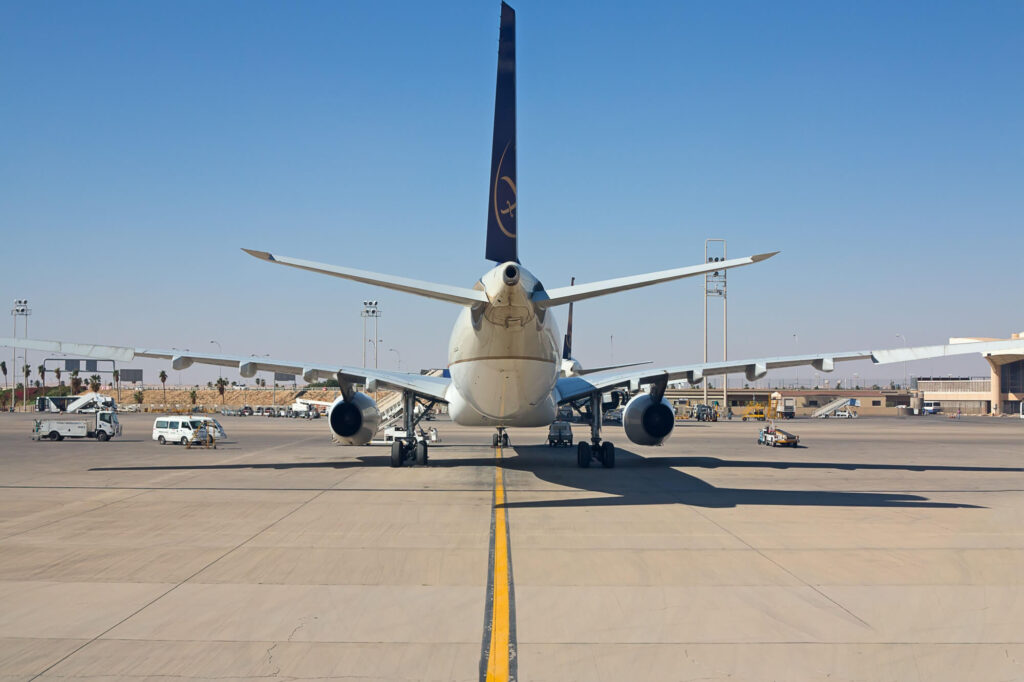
502, 222
567, 343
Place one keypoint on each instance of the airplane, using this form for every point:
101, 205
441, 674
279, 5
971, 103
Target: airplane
504, 365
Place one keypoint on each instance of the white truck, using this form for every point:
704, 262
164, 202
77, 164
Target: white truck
102, 426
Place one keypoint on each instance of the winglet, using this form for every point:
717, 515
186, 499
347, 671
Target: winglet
763, 256
262, 255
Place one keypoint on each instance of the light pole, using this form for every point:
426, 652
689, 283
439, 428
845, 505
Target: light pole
221, 351
20, 309
900, 336
371, 309
796, 368
715, 284
395, 351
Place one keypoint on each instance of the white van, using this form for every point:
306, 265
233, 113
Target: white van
932, 407
179, 429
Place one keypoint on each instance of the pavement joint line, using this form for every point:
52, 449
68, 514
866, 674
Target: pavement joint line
787, 571
176, 586
498, 647
141, 492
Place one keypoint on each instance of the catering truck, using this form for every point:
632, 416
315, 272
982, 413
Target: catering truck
102, 426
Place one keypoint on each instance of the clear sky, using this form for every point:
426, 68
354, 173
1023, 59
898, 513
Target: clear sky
878, 145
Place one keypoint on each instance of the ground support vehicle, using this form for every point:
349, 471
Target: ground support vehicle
101, 425
705, 413
755, 413
560, 434
181, 430
774, 437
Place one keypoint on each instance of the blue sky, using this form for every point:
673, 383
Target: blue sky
879, 146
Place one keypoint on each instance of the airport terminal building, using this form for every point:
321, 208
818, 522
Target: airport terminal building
1001, 393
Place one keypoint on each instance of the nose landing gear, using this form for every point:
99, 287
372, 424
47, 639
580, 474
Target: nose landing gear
499, 438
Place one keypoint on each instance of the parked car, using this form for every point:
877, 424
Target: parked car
560, 433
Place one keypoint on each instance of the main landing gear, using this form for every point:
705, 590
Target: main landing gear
410, 450
499, 438
602, 451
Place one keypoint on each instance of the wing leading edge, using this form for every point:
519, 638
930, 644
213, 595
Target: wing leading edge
571, 388
427, 386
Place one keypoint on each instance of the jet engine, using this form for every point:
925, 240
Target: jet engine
354, 421
647, 422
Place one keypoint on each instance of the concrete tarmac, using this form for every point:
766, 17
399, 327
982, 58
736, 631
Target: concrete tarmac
886, 549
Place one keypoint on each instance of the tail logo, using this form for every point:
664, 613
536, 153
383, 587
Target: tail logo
505, 192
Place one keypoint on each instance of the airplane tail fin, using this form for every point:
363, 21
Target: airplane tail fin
502, 212
567, 344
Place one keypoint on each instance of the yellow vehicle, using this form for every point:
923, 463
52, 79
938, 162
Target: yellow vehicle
755, 413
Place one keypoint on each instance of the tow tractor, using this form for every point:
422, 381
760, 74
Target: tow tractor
777, 437
102, 426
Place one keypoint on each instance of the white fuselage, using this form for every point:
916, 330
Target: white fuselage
503, 355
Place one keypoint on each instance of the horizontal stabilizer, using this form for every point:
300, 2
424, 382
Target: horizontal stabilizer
578, 292
441, 292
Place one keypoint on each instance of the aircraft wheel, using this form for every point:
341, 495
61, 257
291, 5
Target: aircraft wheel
494, 440
504, 440
608, 455
583, 455
421, 454
396, 453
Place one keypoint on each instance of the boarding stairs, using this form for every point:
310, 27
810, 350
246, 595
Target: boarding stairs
87, 400
837, 405
390, 408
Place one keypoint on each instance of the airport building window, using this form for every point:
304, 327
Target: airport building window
1011, 376
876, 403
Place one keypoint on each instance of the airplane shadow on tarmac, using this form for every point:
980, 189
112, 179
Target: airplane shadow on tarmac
638, 480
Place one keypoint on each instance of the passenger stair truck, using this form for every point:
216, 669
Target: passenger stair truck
102, 426
840, 407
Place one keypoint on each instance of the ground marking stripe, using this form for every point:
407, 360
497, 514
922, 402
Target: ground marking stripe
499, 636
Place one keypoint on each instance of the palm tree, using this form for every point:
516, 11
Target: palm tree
117, 382
27, 371
76, 383
56, 373
163, 380
42, 374
3, 368
139, 397
192, 395
222, 384
94, 383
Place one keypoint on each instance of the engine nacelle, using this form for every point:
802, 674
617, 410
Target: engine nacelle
355, 421
647, 422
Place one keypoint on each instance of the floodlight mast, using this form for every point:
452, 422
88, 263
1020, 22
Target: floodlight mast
19, 309
715, 284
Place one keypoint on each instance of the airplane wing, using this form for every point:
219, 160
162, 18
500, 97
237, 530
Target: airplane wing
426, 386
579, 292
572, 388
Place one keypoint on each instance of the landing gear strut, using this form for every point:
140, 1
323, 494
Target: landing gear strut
602, 451
410, 450
499, 438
